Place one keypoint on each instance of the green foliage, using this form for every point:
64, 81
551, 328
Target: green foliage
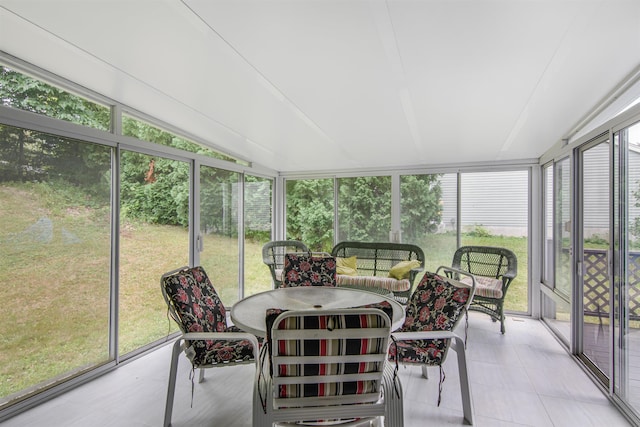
479, 231
26, 93
596, 241
420, 198
310, 212
147, 132
364, 208
161, 197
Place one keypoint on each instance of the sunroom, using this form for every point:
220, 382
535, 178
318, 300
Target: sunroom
138, 137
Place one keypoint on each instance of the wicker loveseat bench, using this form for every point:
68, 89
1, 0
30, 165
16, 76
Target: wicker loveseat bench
375, 260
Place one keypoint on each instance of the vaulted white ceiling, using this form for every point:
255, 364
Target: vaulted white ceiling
297, 85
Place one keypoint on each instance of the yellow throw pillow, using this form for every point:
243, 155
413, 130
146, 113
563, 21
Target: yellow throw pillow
401, 270
347, 266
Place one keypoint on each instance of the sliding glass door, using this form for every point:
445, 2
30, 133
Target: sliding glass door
627, 265
593, 256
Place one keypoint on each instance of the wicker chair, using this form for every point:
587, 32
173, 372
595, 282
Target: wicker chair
207, 340
494, 269
273, 256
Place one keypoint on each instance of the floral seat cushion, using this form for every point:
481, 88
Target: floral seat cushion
309, 270
199, 309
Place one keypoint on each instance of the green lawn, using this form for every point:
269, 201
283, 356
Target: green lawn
56, 290
439, 248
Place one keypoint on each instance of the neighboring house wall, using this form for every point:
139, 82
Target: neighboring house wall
497, 201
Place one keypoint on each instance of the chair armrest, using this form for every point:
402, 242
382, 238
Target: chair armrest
193, 336
457, 342
424, 335
450, 270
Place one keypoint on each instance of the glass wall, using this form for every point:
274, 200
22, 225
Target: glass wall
144, 131
55, 246
593, 191
429, 215
18, 90
364, 208
627, 283
309, 212
547, 225
154, 239
218, 243
556, 275
257, 232
495, 212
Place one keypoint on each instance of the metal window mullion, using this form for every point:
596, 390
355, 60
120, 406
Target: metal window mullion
195, 236
115, 256
241, 190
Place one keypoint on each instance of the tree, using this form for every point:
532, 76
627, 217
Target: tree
310, 212
27, 155
421, 212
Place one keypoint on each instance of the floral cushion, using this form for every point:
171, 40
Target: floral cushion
309, 270
199, 309
436, 305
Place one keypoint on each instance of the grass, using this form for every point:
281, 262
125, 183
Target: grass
55, 262
55, 255
439, 248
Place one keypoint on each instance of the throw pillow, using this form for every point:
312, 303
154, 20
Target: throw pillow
347, 266
401, 270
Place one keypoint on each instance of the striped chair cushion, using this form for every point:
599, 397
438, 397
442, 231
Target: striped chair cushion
375, 282
327, 347
489, 287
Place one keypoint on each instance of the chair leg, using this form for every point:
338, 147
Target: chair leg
260, 419
465, 386
173, 372
201, 376
425, 372
393, 396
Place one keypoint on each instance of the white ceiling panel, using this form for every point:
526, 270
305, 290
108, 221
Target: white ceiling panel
310, 85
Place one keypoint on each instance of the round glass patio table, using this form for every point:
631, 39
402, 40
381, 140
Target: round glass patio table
249, 313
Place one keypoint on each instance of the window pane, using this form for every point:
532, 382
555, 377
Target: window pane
428, 209
562, 229
364, 208
147, 132
310, 212
154, 239
495, 213
257, 231
219, 230
547, 248
54, 258
628, 314
23, 92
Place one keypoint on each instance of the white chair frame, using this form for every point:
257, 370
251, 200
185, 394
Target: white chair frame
366, 407
179, 347
457, 345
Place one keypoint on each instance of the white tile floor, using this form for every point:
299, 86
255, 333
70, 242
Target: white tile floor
522, 378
